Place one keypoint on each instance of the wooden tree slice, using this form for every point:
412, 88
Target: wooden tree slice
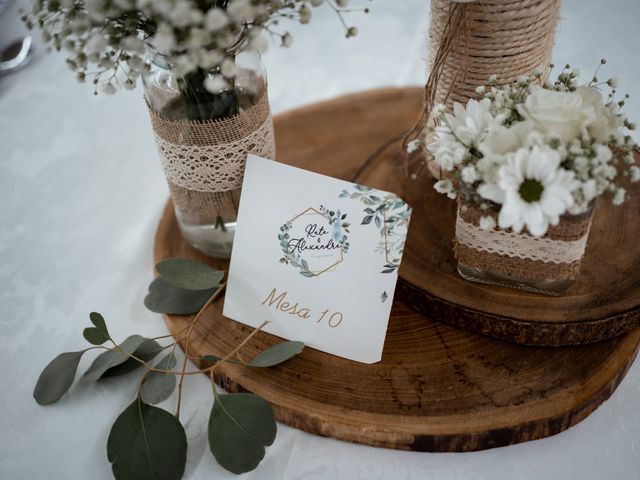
437, 388
603, 302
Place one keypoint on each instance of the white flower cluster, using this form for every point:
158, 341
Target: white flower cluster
535, 150
107, 37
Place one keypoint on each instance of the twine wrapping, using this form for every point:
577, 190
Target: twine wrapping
555, 256
204, 161
469, 42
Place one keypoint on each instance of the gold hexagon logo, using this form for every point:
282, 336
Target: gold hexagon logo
314, 241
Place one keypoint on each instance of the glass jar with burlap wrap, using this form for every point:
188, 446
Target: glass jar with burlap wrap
546, 264
203, 140
472, 40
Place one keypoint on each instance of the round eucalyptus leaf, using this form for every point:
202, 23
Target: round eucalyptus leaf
111, 358
146, 352
189, 274
57, 377
210, 358
240, 426
215, 358
277, 354
94, 336
147, 443
157, 387
165, 297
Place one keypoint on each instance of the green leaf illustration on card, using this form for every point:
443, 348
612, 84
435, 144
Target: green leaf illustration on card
390, 215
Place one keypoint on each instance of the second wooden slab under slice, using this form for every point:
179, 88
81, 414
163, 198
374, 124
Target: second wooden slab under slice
437, 388
603, 302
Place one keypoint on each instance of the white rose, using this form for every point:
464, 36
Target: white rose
606, 123
562, 114
499, 142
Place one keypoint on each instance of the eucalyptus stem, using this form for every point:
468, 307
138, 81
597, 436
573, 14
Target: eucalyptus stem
145, 438
186, 350
242, 344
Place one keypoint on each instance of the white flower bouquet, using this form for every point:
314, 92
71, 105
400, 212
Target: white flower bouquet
106, 39
204, 85
527, 162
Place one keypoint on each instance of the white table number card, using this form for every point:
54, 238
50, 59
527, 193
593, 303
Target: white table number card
317, 257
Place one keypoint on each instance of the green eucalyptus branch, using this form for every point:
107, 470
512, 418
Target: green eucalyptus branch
240, 425
188, 335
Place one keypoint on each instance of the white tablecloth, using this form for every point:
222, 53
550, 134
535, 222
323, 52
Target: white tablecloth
81, 192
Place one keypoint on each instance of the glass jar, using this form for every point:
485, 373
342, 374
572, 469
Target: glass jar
547, 265
203, 139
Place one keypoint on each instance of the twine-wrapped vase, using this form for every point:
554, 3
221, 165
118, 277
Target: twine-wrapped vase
547, 264
470, 41
203, 140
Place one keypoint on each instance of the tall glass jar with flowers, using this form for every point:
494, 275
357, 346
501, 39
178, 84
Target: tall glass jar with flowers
527, 163
204, 84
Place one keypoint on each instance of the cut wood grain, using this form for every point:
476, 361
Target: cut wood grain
603, 302
437, 388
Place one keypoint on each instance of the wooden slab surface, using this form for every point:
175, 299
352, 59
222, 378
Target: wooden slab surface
437, 388
603, 302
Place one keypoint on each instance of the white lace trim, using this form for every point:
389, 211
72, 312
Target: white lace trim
520, 245
214, 168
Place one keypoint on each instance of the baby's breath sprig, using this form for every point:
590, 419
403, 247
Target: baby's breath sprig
145, 438
106, 39
578, 132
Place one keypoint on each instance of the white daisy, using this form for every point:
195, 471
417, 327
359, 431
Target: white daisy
533, 190
458, 132
471, 123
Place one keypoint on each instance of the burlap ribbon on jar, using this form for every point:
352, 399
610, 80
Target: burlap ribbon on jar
471, 40
204, 161
555, 256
